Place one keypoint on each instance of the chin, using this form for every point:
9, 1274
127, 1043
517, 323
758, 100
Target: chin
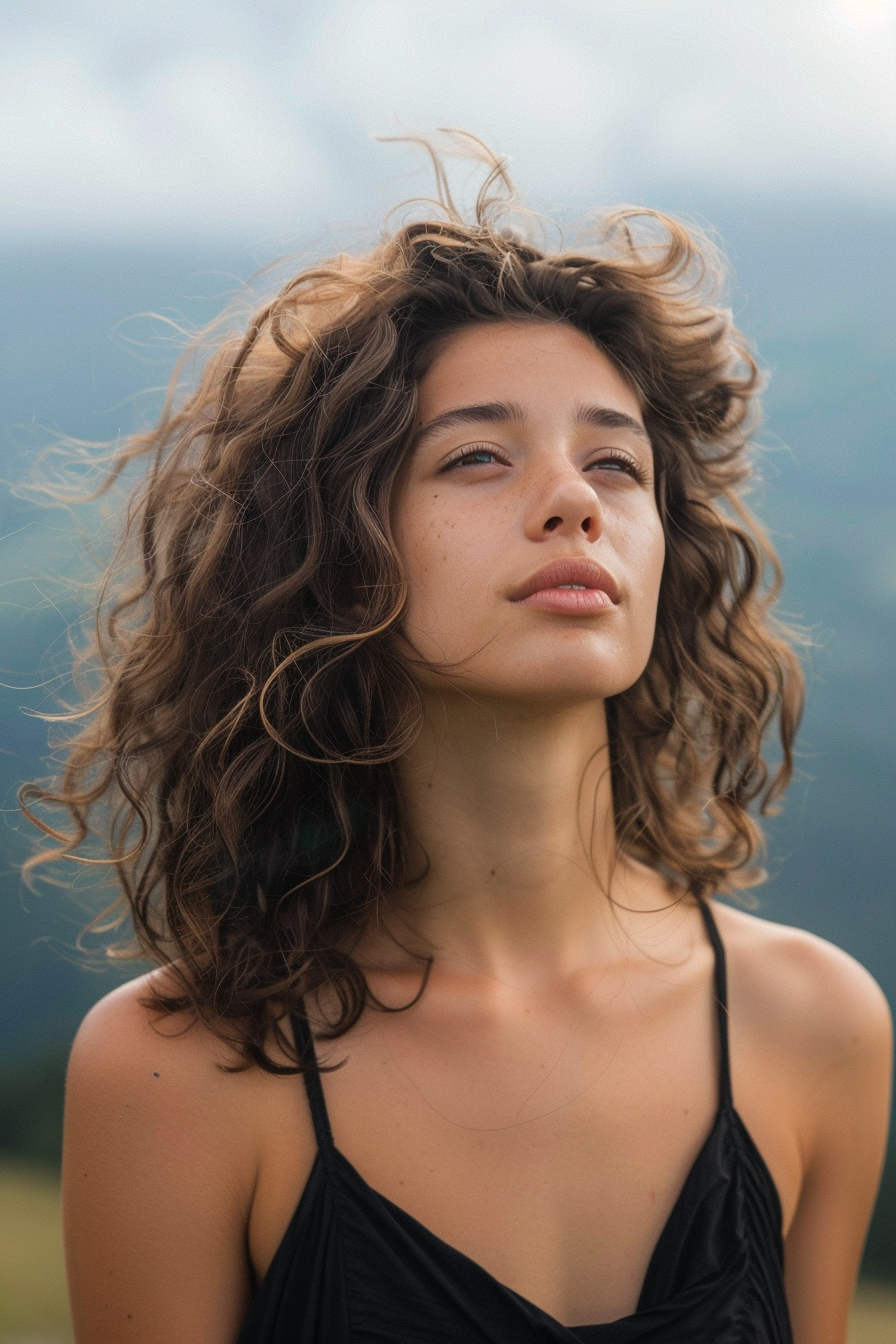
559, 686
571, 674
561, 693
544, 672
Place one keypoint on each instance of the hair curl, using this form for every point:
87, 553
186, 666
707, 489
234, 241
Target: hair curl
237, 761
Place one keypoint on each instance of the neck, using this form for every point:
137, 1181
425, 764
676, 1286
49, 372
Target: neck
509, 816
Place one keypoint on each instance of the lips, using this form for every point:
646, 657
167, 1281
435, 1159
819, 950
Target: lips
573, 585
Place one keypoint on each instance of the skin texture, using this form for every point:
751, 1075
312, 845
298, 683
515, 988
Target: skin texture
541, 1105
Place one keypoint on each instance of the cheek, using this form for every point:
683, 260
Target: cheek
642, 543
443, 547
435, 549
656, 560
442, 621
645, 577
423, 540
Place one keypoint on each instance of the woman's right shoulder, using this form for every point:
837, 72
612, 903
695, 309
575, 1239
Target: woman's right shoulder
127, 1034
144, 1083
170, 1170
130, 1050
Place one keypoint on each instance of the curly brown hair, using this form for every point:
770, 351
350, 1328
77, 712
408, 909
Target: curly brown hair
238, 760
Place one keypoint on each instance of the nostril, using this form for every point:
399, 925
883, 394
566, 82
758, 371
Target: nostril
552, 524
586, 524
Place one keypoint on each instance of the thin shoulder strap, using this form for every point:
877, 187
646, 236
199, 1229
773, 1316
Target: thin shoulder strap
320, 1119
720, 979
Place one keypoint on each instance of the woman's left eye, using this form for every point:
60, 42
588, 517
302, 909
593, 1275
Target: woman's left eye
618, 462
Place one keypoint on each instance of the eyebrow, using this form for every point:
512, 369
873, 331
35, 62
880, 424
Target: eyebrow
488, 412
511, 412
603, 417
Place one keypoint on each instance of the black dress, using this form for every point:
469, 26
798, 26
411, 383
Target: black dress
354, 1268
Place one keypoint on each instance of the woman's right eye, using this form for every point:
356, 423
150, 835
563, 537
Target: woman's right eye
472, 457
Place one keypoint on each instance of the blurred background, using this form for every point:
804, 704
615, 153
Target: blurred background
156, 155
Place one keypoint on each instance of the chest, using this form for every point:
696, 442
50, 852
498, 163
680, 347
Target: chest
551, 1154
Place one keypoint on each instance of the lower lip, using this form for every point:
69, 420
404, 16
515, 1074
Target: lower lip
575, 601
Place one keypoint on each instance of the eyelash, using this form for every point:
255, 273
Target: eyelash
476, 450
634, 469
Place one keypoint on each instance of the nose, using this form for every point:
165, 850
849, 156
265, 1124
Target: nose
564, 505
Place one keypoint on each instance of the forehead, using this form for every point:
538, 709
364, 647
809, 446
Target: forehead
539, 365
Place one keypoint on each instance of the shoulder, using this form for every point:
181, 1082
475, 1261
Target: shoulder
127, 1043
144, 1075
170, 1170
811, 1046
127, 1027
802, 992
158, 1172
151, 1074
128, 1047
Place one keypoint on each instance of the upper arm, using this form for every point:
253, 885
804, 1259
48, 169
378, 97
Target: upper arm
159, 1166
844, 1038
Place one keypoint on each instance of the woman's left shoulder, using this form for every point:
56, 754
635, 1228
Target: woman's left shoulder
811, 1054
803, 989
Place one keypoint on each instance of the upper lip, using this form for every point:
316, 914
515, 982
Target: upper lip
588, 573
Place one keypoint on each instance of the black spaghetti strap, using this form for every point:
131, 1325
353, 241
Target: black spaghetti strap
720, 979
311, 1076
352, 1265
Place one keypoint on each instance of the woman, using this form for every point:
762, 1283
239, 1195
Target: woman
430, 729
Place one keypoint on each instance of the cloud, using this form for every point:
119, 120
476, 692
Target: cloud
188, 145
235, 116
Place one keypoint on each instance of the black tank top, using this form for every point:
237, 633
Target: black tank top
354, 1268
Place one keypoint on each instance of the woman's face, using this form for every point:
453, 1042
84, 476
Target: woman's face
526, 518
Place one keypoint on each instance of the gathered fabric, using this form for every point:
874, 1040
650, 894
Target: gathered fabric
354, 1268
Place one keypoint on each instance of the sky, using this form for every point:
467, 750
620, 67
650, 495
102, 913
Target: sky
178, 118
